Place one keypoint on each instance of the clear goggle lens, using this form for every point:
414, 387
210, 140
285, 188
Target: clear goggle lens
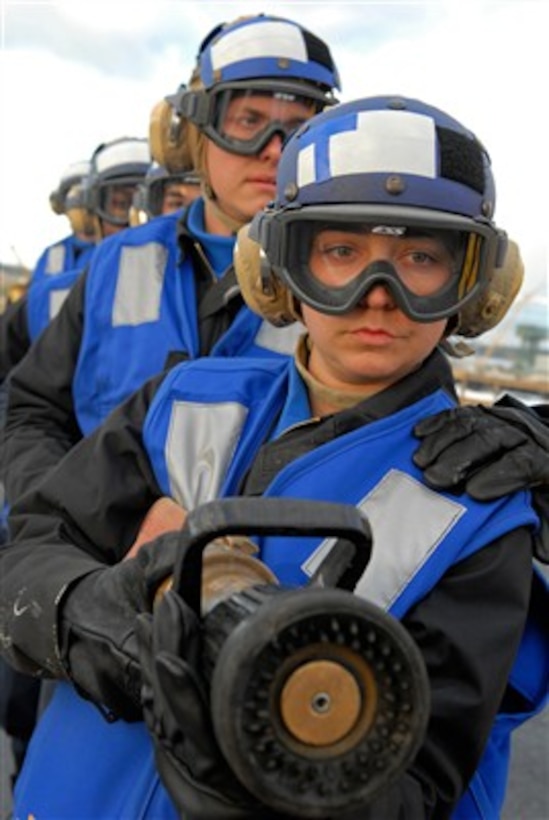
429, 272
115, 201
244, 122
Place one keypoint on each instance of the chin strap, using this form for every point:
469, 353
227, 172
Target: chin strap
456, 348
232, 224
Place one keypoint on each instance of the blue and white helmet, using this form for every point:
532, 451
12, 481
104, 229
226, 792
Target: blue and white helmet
261, 54
72, 176
268, 47
392, 164
148, 199
122, 162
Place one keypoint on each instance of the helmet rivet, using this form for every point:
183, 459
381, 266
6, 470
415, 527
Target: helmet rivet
283, 62
291, 191
396, 103
487, 209
394, 184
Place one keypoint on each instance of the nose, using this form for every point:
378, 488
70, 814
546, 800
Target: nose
273, 149
379, 297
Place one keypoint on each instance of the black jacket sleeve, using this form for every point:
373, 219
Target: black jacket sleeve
40, 422
14, 336
468, 629
84, 514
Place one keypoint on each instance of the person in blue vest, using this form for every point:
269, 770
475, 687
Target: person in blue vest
77, 247
95, 196
90, 333
64, 255
163, 193
158, 292
19, 693
381, 241
158, 194
98, 205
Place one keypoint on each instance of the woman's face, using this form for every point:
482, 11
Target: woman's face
176, 195
243, 185
375, 344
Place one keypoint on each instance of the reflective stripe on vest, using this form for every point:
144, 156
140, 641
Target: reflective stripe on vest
45, 299
420, 510
55, 262
57, 297
140, 279
209, 432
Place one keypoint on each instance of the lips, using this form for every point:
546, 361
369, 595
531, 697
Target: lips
375, 336
263, 180
375, 331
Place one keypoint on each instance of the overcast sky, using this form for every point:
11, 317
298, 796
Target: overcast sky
76, 73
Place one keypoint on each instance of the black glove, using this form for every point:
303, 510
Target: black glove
98, 644
176, 711
489, 452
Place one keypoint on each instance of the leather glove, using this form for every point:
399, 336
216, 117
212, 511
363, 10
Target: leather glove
176, 711
489, 452
98, 644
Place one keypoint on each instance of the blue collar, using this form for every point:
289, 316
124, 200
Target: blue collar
296, 407
218, 249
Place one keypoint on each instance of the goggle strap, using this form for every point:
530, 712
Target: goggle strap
471, 264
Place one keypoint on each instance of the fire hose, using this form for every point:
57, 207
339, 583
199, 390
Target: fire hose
319, 699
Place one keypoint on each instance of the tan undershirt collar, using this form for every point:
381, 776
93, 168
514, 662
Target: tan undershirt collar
323, 398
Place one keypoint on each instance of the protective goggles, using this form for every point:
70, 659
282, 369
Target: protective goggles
244, 117
434, 264
115, 200
171, 193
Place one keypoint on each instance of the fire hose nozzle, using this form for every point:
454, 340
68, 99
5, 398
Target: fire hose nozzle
319, 698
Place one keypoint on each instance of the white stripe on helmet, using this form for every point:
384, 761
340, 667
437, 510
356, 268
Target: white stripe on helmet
265, 39
398, 142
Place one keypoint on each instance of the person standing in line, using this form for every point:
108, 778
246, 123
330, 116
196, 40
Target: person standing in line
78, 245
95, 196
166, 290
97, 206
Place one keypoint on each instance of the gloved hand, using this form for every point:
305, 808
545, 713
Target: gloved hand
489, 452
97, 641
176, 711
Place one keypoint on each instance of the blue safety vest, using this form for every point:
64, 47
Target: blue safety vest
140, 306
202, 432
45, 299
70, 252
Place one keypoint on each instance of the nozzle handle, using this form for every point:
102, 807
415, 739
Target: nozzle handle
267, 516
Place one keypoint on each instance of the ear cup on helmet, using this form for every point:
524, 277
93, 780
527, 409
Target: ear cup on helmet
261, 289
57, 203
72, 177
168, 138
502, 287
